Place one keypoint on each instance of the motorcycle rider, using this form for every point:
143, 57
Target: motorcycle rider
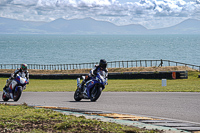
22, 71
101, 67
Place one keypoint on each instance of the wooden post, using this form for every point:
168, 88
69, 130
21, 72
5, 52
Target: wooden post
145, 63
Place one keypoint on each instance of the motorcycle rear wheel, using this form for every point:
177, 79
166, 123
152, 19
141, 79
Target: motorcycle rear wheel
4, 97
17, 95
77, 95
95, 93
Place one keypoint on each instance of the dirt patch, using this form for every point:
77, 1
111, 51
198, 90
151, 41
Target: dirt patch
132, 69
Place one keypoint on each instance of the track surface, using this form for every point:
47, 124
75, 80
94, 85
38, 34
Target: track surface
174, 105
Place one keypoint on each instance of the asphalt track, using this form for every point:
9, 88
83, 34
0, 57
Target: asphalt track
173, 105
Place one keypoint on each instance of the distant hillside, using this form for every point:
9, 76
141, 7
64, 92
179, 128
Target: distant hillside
12, 26
90, 26
189, 26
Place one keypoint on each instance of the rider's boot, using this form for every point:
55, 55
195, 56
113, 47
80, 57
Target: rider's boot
4, 88
83, 82
82, 85
85, 91
7, 84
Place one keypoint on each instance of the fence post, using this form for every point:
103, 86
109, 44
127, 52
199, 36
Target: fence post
146, 63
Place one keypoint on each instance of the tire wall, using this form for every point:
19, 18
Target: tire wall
125, 75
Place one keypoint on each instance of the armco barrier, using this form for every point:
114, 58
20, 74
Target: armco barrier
149, 75
124, 75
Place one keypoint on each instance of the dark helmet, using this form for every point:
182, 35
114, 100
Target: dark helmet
103, 63
24, 67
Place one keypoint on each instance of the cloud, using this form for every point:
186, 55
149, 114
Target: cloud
24, 2
108, 10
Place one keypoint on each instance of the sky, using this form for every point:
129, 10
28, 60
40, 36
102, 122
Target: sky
152, 14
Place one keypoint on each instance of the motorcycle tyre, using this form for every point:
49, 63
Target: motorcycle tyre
76, 95
5, 98
19, 92
98, 93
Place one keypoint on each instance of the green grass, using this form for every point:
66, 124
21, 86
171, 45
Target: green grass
22, 118
192, 84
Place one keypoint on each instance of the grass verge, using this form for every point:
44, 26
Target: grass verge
192, 84
23, 118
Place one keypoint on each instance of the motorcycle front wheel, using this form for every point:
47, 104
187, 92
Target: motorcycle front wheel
95, 93
4, 97
17, 94
77, 95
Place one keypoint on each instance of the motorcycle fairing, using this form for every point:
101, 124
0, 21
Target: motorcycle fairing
21, 80
10, 88
16, 88
89, 86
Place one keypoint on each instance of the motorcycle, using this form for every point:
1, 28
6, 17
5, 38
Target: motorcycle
15, 93
92, 88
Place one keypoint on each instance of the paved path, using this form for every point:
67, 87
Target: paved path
174, 105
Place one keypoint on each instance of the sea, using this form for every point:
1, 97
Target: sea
72, 49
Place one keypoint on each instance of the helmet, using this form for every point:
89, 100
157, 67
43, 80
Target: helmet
24, 67
103, 63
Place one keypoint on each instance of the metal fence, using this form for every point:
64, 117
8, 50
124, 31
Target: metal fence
112, 64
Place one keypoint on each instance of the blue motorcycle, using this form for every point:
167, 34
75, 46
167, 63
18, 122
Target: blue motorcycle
92, 88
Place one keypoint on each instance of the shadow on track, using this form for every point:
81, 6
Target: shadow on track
80, 101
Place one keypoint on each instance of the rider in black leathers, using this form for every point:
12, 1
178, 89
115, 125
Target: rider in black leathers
101, 67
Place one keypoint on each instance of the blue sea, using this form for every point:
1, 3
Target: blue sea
69, 49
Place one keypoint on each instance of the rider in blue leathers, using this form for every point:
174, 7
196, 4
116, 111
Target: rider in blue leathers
101, 67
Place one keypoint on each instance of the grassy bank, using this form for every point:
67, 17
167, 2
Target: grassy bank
192, 84
27, 119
